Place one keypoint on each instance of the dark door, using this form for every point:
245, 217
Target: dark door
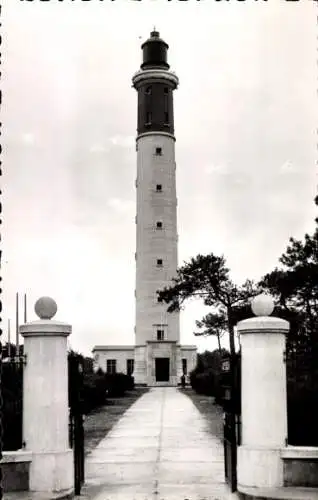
162, 369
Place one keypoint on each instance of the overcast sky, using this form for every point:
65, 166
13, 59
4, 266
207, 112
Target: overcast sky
245, 122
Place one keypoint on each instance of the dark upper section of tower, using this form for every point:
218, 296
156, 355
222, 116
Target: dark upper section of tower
154, 52
155, 88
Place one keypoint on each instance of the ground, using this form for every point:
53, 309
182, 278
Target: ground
162, 448
212, 413
100, 421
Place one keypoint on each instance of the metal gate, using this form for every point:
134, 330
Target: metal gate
231, 382
76, 427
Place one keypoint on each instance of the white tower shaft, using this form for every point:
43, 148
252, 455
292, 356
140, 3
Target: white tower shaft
157, 333
156, 235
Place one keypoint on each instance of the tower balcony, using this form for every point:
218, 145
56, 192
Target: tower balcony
154, 75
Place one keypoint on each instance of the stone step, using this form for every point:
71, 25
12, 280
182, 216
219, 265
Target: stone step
287, 493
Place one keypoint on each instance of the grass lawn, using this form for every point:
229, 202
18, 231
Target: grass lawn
98, 423
212, 413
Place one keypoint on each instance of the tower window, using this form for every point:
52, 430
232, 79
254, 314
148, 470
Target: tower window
158, 151
159, 225
148, 118
159, 187
166, 90
166, 118
148, 91
160, 334
159, 262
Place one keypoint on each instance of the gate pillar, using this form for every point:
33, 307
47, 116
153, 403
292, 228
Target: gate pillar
45, 400
264, 397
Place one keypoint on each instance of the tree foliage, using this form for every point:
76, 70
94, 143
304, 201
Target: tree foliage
213, 324
216, 323
206, 377
207, 277
295, 286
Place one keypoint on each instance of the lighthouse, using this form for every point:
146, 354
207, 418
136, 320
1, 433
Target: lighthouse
157, 358
157, 333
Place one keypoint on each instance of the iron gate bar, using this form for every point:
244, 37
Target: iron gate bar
76, 421
231, 423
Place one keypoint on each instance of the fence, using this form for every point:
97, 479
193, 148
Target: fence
12, 392
302, 396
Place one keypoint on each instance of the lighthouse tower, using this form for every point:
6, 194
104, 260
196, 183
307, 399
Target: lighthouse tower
157, 335
157, 358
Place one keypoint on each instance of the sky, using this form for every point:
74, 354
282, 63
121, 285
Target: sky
245, 124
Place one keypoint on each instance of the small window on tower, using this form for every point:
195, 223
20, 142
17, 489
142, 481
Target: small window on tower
160, 334
159, 187
166, 118
166, 90
159, 262
148, 118
158, 151
159, 225
148, 90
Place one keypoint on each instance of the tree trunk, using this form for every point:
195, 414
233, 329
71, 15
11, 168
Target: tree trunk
219, 341
231, 330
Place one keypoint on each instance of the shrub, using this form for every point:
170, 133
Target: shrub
94, 391
204, 383
118, 383
97, 387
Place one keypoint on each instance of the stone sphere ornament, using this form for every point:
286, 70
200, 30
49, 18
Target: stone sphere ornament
45, 308
262, 305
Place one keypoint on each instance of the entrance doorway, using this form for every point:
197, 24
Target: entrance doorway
162, 369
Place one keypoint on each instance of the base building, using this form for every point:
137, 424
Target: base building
157, 358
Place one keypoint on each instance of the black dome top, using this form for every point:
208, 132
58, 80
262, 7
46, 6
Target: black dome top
154, 52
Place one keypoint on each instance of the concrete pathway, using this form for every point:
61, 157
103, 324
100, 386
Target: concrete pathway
160, 449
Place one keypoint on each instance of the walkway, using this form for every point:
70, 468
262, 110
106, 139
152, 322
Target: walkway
159, 450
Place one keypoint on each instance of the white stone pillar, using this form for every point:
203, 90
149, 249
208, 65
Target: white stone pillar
45, 400
140, 368
264, 397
